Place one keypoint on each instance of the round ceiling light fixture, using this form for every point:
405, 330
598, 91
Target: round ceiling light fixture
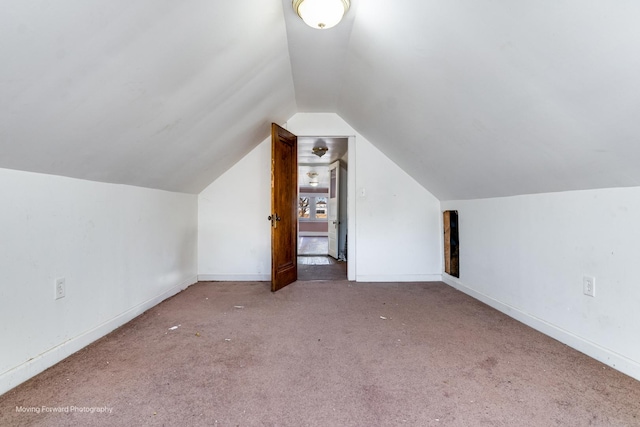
321, 14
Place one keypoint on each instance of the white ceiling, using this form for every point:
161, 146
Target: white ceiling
157, 93
473, 98
310, 162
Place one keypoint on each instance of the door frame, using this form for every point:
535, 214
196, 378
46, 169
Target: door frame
352, 231
352, 196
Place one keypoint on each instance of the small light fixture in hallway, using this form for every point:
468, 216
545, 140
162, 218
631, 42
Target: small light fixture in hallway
321, 14
313, 178
320, 151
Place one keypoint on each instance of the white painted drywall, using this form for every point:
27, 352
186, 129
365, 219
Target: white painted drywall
518, 97
155, 93
234, 235
121, 249
527, 255
394, 230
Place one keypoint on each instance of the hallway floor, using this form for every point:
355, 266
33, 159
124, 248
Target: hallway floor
315, 264
313, 245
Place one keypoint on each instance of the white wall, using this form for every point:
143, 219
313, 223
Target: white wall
394, 230
121, 250
234, 235
527, 256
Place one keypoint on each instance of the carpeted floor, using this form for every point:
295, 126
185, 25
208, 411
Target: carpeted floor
331, 353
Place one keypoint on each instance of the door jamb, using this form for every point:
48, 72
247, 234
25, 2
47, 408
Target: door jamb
351, 212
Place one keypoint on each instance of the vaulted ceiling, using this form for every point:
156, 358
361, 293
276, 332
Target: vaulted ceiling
473, 98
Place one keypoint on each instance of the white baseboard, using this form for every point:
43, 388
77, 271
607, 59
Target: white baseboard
399, 278
234, 277
360, 278
591, 349
38, 364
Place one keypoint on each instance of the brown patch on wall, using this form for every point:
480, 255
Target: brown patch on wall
451, 243
314, 190
315, 226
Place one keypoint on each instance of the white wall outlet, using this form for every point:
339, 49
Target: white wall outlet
589, 286
61, 288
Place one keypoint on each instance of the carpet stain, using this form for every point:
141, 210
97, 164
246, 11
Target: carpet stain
488, 364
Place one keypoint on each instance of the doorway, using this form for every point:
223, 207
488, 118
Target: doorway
322, 208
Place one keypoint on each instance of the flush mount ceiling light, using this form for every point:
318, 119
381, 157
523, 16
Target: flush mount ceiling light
321, 14
319, 151
313, 178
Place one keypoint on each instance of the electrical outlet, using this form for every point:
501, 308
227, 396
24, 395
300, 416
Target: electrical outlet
589, 286
60, 288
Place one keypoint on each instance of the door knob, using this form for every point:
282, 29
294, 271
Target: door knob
274, 218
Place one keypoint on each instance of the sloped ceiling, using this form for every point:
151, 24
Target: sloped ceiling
495, 98
156, 93
473, 98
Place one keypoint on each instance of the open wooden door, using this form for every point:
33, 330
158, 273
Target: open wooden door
334, 218
284, 198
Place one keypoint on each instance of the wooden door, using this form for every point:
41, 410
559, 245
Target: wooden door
333, 208
284, 197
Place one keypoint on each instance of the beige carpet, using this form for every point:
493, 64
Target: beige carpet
325, 354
